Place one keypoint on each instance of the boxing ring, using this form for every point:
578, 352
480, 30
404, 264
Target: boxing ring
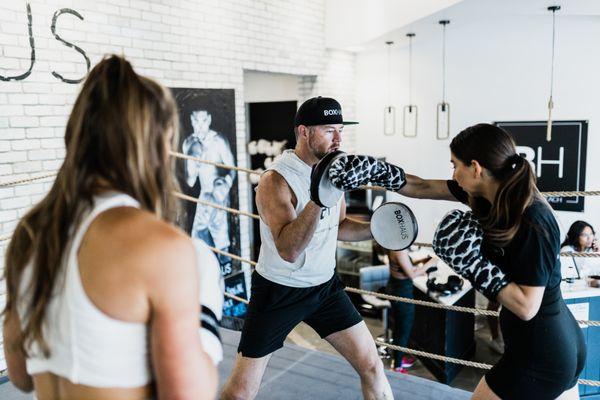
296, 372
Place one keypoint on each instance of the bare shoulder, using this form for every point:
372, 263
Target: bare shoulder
272, 181
273, 190
145, 243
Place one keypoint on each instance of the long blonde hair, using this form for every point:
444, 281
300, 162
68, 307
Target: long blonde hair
117, 138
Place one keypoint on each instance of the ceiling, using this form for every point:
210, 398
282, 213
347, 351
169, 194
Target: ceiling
356, 24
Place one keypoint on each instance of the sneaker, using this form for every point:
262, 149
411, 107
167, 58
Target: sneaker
408, 361
400, 370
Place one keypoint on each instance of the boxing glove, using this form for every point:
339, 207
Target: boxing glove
349, 172
457, 241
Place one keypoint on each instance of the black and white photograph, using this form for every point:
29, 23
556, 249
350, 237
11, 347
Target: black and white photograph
207, 132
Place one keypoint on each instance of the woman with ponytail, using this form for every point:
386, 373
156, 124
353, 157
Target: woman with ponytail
508, 246
102, 290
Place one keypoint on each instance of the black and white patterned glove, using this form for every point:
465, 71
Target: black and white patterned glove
350, 172
457, 241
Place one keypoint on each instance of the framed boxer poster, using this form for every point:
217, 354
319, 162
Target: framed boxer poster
559, 165
207, 131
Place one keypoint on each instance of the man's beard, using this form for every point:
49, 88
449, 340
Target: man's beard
317, 153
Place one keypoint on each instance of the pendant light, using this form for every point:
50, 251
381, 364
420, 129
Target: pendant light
443, 108
410, 112
554, 9
389, 112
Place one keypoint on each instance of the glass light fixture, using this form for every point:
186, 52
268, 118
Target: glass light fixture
554, 9
443, 108
410, 112
389, 112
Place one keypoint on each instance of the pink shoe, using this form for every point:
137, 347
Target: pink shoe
400, 370
408, 361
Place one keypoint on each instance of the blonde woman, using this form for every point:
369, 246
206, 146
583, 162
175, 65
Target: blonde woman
102, 290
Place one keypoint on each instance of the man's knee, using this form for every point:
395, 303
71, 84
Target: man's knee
370, 365
245, 378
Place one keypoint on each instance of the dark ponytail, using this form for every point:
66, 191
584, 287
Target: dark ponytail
495, 150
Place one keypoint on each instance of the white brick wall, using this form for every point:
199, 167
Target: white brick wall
181, 43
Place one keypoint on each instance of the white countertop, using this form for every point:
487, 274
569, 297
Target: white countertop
578, 290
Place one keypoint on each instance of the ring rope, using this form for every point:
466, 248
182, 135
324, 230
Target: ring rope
476, 311
224, 166
562, 254
234, 211
234, 297
27, 180
453, 360
235, 257
572, 194
206, 203
251, 171
434, 356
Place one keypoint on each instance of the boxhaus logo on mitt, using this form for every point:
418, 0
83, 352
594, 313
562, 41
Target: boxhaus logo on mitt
402, 223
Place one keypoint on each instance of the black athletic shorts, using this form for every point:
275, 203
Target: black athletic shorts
275, 310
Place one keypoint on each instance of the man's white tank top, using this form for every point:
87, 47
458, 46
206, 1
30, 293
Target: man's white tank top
316, 264
87, 346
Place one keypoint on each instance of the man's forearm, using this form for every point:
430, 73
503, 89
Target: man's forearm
351, 230
295, 236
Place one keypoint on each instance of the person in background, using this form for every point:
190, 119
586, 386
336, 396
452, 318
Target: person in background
402, 272
581, 237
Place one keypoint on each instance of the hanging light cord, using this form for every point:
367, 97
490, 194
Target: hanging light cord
550, 100
410, 70
444, 64
389, 72
553, 45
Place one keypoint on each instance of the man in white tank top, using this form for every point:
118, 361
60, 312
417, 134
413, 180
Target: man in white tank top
295, 277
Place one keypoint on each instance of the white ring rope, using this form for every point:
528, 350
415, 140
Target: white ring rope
224, 166
27, 180
476, 311
256, 172
207, 203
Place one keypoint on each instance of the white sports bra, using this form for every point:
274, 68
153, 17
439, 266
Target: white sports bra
87, 346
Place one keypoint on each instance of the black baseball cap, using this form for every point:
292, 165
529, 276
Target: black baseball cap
320, 111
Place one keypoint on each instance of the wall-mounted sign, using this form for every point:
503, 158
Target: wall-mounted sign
559, 165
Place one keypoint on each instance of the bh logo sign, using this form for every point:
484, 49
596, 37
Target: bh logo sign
559, 165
